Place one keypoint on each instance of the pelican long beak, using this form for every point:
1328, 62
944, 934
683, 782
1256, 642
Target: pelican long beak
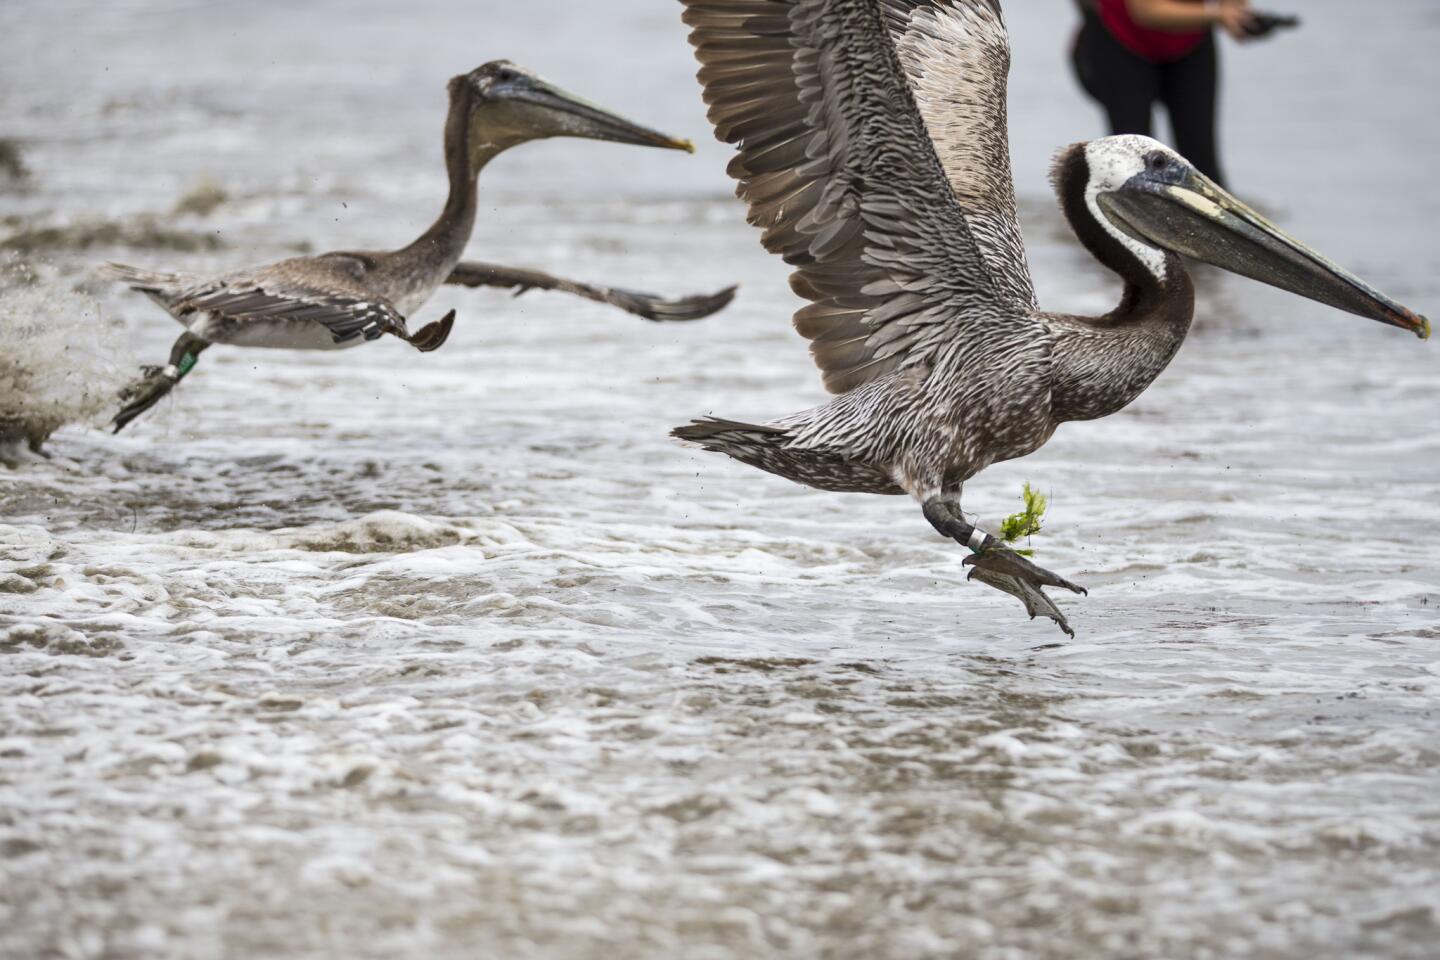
572, 116
1192, 215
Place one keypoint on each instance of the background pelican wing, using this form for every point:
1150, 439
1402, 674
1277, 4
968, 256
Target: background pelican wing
346, 317
901, 246
473, 273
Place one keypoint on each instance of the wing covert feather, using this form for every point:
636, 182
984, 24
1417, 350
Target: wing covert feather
320, 290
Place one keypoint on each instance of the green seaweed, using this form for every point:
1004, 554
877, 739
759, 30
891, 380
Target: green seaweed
1026, 523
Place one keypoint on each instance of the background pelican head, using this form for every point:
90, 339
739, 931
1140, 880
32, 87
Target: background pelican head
1150, 200
508, 105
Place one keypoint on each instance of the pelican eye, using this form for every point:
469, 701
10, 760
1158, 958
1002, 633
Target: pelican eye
1164, 167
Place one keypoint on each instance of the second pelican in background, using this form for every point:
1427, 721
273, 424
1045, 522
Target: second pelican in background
338, 300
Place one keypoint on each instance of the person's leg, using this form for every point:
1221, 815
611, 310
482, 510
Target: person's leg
1124, 84
1190, 89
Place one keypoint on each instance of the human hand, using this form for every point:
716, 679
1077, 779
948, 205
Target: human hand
1235, 18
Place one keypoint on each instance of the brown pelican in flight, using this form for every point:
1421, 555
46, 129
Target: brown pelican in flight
338, 300
873, 152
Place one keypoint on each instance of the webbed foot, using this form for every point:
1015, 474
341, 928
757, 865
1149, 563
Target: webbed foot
150, 389
1002, 561
432, 336
998, 566
1002, 568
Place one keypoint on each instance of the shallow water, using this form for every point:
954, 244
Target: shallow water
377, 654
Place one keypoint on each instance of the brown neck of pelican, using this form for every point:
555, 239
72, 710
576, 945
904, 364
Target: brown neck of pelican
1103, 363
466, 154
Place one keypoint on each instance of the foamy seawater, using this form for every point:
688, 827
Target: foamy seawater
380, 654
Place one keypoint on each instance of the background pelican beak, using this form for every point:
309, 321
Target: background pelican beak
572, 116
1196, 217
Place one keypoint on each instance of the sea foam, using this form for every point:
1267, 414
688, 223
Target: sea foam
62, 361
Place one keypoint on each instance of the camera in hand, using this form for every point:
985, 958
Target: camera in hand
1264, 24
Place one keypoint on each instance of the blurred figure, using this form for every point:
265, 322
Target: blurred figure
1131, 54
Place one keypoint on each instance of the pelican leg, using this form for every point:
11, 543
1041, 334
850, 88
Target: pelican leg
996, 565
428, 338
156, 382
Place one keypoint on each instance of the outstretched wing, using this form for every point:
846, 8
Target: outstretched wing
873, 153
956, 55
269, 295
473, 273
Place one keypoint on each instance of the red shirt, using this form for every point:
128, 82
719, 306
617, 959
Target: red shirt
1157, 46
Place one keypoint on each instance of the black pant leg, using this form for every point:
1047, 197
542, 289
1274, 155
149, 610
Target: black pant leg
1125, 84
1190, 89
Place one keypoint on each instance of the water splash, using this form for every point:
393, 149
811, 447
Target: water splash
62, 363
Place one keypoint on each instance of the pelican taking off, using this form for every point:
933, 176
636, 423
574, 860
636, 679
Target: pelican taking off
338, 300
873, 153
